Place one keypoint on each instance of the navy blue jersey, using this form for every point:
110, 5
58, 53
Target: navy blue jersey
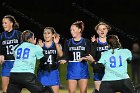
8, 41
97, 48
51, 58
74, 50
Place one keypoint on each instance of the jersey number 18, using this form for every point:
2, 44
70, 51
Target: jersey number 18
76, 56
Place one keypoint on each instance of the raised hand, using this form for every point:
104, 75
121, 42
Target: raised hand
93, 39
40, 43
34, 41
56, 38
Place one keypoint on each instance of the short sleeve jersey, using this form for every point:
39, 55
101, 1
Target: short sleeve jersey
26, 55
115, 64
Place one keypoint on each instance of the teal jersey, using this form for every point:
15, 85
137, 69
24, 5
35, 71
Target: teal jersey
26, 55
115, 64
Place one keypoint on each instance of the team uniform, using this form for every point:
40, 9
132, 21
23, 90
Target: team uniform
48, 73
22, 74
97, 49
116, 77
73, 51
8, 40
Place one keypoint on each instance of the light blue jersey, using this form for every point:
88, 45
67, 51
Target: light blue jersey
25, 57
115, 64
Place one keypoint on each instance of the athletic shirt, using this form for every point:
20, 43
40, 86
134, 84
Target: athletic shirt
74, 50
8, 40
97, 49
115, 64
51, 56
25, 57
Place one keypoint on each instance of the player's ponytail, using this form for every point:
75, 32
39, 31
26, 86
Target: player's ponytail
27, 34
113, 42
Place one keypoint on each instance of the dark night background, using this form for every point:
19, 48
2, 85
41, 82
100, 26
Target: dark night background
122, 15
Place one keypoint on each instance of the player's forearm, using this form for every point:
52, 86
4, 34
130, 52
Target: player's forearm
59, 50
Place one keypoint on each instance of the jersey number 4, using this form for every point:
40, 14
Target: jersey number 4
23, 53
49, 60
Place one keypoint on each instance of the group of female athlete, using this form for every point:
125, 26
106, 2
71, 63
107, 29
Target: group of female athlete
19, 52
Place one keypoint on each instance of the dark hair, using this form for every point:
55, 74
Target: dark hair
113, 42
27, 34
13, 20
80, 25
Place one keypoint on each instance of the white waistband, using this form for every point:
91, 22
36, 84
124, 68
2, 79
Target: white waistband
74, 61
9, 60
